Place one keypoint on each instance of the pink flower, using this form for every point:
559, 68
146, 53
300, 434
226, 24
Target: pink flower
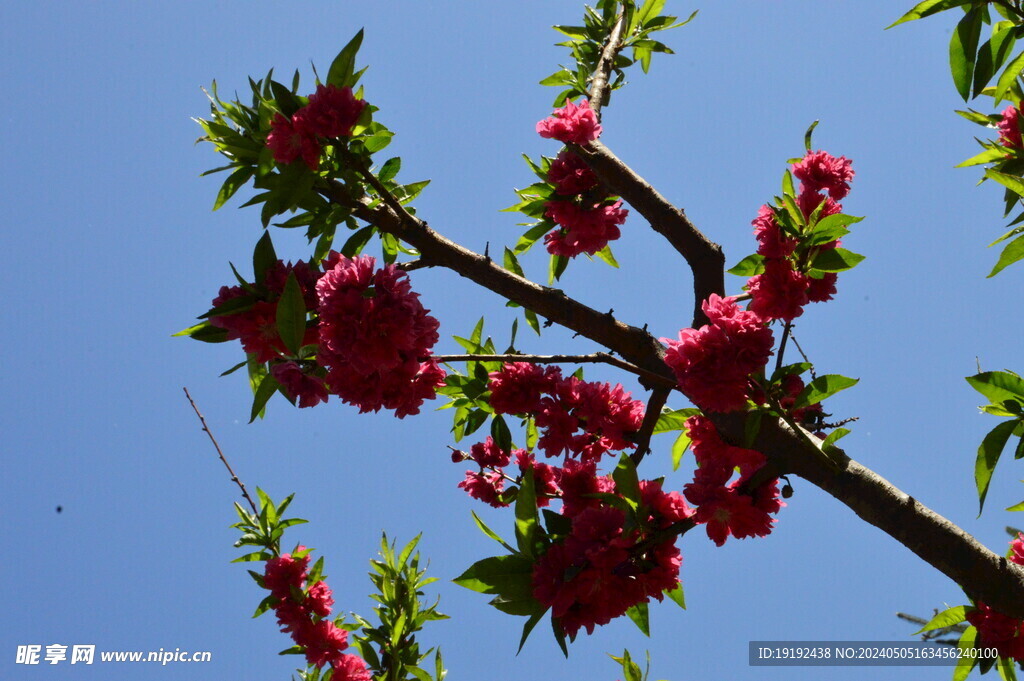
821, 290
1009, 128
292, 138
570, 175
545, 477
489, 455
487, 487
729, 512
808, 201
375, 337
583, 231
323, 642
999, 631
333, 111
780, 292
821, 171
572, 124
350, 668
1017, 549
518, 386
771, 242
281, 574
308, 390
713, 363
320, 599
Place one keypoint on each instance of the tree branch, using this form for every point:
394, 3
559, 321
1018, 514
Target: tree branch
234, 478
983, 575
599, 79
659, 396
704, 257
596, 358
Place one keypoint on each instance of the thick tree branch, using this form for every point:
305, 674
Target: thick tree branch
704, 257
984, 575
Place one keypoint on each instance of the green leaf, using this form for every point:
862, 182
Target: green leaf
531, 236
989, 155
965, 663
673, 420
998, 386
556, 267
527, 628
821, 388
992, 55
1011, 182
291, 315
676, 596
342, 68
355, 243
748, 267
510, 576
268, 386
1013, 252
836, 260
679, 448
963, 50
946, 618
928, 8
389, 169
1007, 670
206, 332
1008, 78
641, 618
988, 456
605, 254
233, 184
489, 532
500, 433
830, 442
559, 633
526, 514
512, 262
626, 481
808, 135
263, 257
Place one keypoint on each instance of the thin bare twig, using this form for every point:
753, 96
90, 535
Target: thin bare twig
223, 459
659, 396
596, 358
599, 79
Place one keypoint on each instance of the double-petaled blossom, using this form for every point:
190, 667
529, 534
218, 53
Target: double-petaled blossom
375, 337
302, 613
569, 175
331, 112
820, 171
713, 363
307, 388
582, 229
725, 508
780, 292
1009, 128
572, 124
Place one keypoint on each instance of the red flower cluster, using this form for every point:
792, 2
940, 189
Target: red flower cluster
782, 291
569, 175
371, 329
583, 230
1009, 128
332, 112
996, 630
254, 320
374, 334
722, 506
572, 124
712, 363
579, 418
605, 565
302, 612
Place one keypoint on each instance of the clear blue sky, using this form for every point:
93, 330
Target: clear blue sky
110, 247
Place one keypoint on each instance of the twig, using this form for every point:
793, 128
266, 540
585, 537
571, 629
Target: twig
659, 396
596, 358
599, 79
216, 446
782, 346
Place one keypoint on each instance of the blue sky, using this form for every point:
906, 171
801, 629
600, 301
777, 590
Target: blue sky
111, 247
